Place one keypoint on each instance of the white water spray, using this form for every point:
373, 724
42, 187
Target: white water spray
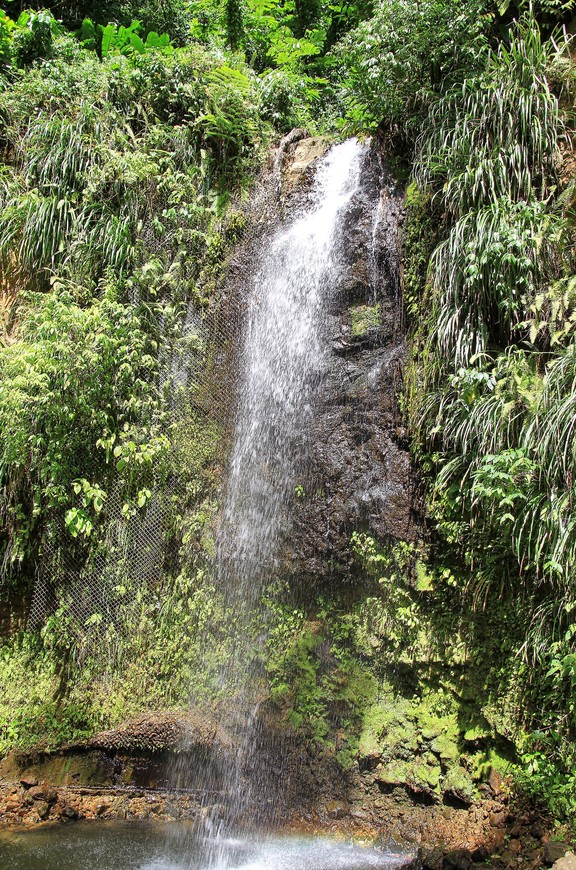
283, 362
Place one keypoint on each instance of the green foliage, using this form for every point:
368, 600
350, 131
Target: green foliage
234, 24
394, 64
496, 135
420, 239
77, 520
120, 149
316, 680
114, 39
365, 318
387, 619
288, 98
492, 144
109, 167
482, 276
546, 777
59, 688
490, 388
32, 36
6, 30
544, 9
77, 375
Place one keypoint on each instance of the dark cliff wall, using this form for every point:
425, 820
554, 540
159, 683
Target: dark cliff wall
359, 476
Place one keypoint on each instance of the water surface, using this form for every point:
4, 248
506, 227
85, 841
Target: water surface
145, 846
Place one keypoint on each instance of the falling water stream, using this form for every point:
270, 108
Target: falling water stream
284, 358
283, 361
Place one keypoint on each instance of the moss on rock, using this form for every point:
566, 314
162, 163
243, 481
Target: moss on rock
364, 318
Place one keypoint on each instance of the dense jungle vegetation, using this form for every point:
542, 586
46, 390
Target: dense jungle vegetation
130, 136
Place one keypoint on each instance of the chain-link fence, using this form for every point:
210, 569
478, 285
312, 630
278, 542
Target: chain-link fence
104, 583
126, 566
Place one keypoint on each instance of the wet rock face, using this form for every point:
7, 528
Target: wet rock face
357, 473
359, 476
304, 152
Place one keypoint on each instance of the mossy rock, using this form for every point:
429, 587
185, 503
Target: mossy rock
400, 728
164, 730
432, 730
415, 774
390, 730
477, 735
445, 747
458, 783
364, 319
486, 762
426, 773
438, 723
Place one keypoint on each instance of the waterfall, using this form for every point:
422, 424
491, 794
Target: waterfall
283, 361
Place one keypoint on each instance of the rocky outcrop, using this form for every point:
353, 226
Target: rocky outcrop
300, 156
445, 838
19, 806
170, 730
359, 474
157, 750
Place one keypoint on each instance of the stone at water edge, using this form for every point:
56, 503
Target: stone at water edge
43, 792
458, 859
43, 810
431, 859
567, 862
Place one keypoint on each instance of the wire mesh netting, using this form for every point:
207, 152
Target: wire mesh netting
126, 568
105, 583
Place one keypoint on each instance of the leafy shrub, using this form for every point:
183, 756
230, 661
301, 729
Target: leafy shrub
32, 36
492, 386
396, 62
285, 99
77, 375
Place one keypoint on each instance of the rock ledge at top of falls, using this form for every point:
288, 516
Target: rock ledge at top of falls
301, 154
160, 731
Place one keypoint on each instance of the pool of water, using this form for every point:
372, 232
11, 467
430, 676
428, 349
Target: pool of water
145, 846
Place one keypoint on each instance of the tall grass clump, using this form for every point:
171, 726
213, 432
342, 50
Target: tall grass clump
491, 390
490, 150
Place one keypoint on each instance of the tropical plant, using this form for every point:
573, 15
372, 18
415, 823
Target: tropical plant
77, 375
394, 65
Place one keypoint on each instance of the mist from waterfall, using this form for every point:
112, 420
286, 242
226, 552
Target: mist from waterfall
283, 360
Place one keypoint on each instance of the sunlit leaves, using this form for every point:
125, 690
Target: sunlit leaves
483, 275
498, 407
397, 62
126, 40
496, 135
61, 389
